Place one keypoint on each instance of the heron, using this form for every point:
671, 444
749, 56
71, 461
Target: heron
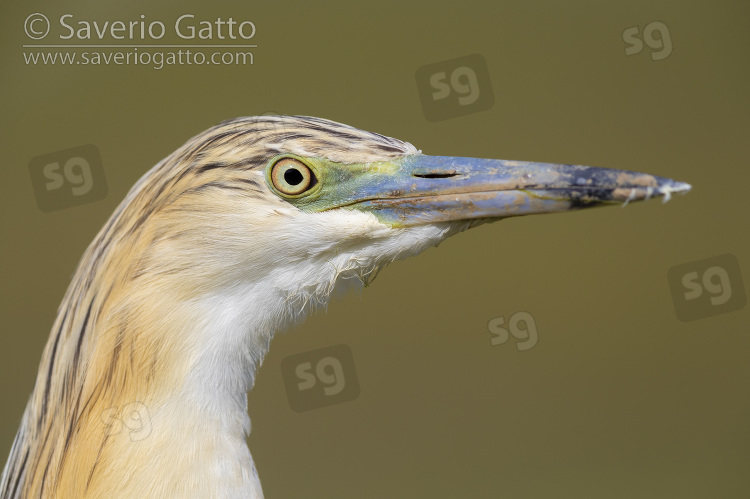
239, 234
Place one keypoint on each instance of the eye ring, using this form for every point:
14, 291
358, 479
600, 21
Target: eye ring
292, 177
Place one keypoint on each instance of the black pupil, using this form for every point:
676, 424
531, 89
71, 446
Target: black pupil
293, 176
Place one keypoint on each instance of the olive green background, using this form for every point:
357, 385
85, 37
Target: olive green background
618, 398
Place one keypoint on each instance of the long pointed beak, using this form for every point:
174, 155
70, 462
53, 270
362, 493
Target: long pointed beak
429, 189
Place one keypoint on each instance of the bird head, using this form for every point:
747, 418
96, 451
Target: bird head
303, 203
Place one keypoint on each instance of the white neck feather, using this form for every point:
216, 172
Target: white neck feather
231, 329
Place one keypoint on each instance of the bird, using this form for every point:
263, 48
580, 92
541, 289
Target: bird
239, 234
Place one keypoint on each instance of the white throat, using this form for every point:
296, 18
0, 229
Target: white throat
228, 332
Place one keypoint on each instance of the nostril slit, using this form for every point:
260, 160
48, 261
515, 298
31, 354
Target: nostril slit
435, 175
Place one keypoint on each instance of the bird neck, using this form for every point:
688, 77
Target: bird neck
184, 367
154, 368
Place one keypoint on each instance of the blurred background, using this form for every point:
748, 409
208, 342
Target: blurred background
595, 354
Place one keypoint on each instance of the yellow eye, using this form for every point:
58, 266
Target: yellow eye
291, 176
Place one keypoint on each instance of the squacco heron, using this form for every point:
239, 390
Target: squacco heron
240, 233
